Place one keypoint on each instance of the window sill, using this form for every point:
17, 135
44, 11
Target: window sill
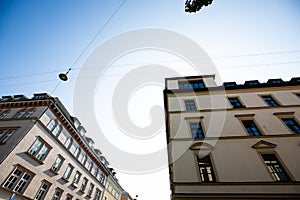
34, 158
54, 172
66, 180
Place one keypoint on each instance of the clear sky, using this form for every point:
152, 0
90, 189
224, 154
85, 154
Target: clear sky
246, 40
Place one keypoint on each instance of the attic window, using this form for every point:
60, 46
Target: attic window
254, 82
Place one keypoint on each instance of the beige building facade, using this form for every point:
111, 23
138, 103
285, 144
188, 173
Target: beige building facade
233, 141
45, 152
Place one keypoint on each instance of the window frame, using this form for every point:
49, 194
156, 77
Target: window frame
238, 101
42, 192
191, 84
205, 165
294, 121
5, 134
37, 155
55, 197
199, 122
76, 178
281, 165
68, 142
270, 100
84, 183
4, 113
192, 107
90, 190
20, 114
14, 181
68, 172
256, 126
55, 170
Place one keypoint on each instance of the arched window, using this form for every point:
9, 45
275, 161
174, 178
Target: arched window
4, 114
51, 124
20, 114
76, 152
57, 130
68, 143
28, 113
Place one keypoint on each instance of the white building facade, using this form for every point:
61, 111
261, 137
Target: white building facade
233, 141
45, 153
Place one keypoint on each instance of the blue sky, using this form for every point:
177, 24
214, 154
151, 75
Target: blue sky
39, 39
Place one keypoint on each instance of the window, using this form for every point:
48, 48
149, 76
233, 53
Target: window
275, 168
83, 159
57, 194
191, 84
76, 152
270, 101
102, 178
251, 128
28, 113
20, 114
57, 130
68, 143
292, 124
42, 191
39, 149
206, 169
77, 178
84, 184
254, 82
235, 102
96, 172
68, 172
69, 197
229, 84
90, 165
18, 180
298, 95
190, 105
97, 194
57, 164
5, 134
91, 188
3, 114
196, 130
51, 125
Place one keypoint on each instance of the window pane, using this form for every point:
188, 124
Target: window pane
293, 125
35, 147
275, 168
251, 128
196, 129
22, 183
42, 153
206, 169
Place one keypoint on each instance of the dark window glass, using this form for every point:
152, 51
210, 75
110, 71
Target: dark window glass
190, 105
293, 125
206, 169
275, 168
191, 84
235, 102
270, 101
196, 129
251, 128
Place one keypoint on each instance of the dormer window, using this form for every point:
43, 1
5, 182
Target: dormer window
254, 82
229, 84
275, 81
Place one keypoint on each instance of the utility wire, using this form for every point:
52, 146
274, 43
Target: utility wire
93, 39
155, 72
166, 61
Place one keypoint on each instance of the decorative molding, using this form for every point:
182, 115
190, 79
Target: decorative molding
201, 146
263, 144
